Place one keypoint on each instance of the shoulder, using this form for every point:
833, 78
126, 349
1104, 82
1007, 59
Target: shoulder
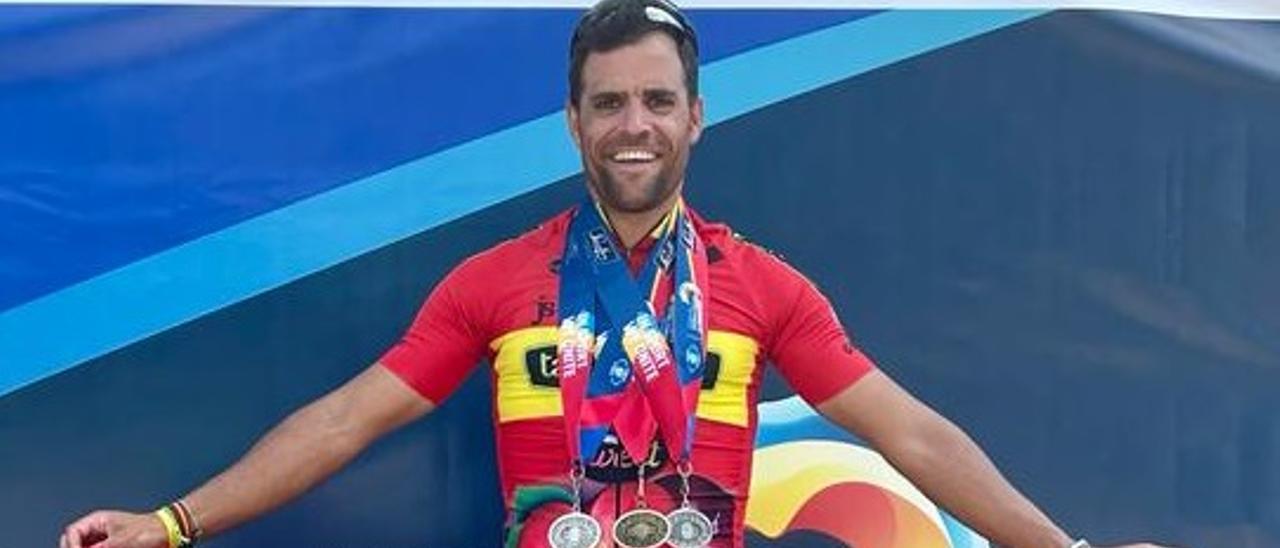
538, 247
733, 249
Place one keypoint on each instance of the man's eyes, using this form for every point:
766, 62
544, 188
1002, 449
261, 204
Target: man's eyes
607, 103
658, 102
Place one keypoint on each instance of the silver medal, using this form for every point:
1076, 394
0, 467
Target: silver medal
574, 530
690, 528
641, 528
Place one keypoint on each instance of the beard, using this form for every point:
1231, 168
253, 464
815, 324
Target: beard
634, 198
631, 192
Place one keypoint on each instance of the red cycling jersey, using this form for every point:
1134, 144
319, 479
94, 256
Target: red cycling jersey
501, 304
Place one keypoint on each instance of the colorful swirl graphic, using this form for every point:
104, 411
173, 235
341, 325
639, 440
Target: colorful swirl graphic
810, 475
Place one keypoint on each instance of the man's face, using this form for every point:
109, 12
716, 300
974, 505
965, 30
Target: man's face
634, 123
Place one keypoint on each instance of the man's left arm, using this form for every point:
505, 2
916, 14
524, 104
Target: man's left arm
813, 352
942, 461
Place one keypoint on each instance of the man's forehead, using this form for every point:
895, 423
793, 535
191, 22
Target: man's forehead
652, 63
656, 89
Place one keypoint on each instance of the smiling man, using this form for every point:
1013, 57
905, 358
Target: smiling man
641, 435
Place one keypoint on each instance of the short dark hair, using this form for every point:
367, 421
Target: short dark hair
611, 24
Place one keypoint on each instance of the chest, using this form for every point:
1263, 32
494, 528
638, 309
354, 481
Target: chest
523, 348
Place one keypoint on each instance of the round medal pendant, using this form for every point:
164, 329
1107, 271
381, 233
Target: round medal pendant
574, 530
690, 528
641, 528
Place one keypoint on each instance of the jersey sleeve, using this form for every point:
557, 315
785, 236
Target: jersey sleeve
809, 346
444, 342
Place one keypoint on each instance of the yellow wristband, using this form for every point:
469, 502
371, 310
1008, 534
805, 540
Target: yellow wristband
171, 528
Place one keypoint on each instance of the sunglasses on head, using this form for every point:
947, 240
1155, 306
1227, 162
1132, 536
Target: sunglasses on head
656, 11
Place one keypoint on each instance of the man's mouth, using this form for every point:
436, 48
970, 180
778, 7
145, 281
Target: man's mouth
633, 156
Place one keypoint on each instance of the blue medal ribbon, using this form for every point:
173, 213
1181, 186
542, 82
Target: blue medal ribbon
616, 347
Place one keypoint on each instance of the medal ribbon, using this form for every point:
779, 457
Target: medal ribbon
623, 362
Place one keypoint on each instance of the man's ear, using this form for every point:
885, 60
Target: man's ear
573, 119
695, 120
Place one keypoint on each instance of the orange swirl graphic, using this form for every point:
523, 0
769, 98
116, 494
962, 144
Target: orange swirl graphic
847, 492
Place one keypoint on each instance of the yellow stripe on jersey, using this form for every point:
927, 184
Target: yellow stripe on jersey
524, 363
726, 401
524, 366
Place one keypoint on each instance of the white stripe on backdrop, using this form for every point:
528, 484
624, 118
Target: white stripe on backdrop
1226, 9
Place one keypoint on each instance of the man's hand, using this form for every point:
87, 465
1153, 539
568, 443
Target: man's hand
111, 529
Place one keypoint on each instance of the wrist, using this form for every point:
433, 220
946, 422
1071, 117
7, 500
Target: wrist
172, 531
1055, 537
187, 521
180, 527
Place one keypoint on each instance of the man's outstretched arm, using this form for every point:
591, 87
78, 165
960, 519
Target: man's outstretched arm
304, 449
942, 461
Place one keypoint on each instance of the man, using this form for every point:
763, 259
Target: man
664, 321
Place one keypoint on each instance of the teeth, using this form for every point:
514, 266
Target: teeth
633, 156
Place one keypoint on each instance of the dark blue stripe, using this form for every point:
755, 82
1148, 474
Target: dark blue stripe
128, 130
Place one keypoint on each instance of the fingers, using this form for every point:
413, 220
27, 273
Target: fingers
85, 531
71, 536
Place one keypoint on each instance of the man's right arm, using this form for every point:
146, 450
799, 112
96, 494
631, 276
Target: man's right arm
304, 449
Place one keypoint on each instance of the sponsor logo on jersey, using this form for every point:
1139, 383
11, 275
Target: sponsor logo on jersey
541, 364
612, 463
712, 372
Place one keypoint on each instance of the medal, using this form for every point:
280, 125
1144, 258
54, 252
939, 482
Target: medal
641, 528
574, 530
690, 528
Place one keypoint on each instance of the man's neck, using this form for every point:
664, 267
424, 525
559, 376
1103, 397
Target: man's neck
633, 227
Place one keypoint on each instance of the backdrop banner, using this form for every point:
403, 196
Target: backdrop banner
1060, 228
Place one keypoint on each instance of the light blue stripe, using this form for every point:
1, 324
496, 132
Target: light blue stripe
56, 332
779, 71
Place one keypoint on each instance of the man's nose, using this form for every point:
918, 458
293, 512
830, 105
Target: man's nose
636, 118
